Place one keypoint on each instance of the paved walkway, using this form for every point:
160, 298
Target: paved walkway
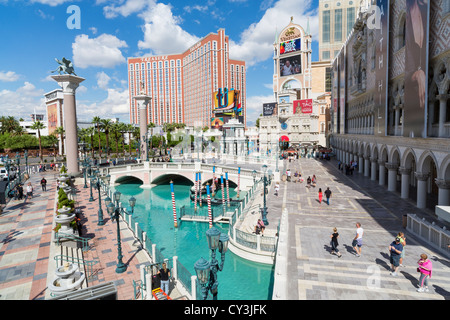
314, 273
26, 249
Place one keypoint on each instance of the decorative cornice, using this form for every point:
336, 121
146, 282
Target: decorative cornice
421, 176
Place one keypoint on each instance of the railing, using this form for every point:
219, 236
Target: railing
84, 241
437, 237
141, 287
88, 265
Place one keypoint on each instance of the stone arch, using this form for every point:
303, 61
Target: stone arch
383, 153
166, 178
128, 179
375, 151
425, 162
409, 159
367, 151
394, 156
444, 172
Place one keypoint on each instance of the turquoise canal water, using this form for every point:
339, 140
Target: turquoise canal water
240, 279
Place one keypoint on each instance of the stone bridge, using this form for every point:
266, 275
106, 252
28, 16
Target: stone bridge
151, 174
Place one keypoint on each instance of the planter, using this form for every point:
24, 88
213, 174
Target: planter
67, 278
64, 218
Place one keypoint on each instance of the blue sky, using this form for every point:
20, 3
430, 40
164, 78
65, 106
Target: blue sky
33, 33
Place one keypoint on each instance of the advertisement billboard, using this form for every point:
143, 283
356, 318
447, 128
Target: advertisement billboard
416, 68
52, 116
381, 69
269, 109
217, 123
290, 65
290, 46
303, 106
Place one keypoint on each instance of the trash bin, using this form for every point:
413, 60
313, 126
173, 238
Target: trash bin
405, 221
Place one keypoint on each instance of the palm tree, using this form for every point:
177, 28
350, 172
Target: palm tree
130, 128
38, 125
136, 135
123, 128
115, 130
105, 125
90, 133
53, 140
151, 125
97, 122
60, 131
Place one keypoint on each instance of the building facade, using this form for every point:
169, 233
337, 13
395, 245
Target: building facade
182, 86
391, 99
336, 19
298, 113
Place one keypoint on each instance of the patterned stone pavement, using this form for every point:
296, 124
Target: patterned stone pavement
316, 274
26, 249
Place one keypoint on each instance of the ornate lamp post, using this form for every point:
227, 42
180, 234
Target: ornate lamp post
100, 222
254, 176
207, 271
264, 209
26, 161
116, 210
132, 202
8, 166
18, 166
92, 178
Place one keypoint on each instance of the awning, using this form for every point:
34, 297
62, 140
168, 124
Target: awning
284, 138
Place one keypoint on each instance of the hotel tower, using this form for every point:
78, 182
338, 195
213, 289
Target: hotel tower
182, 85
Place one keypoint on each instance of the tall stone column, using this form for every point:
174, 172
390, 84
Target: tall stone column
69, 84
366, 166
373, 167
392, 176
142, 101
422, 179
406, 173
361, 163
444, 192
382, 173
442, 114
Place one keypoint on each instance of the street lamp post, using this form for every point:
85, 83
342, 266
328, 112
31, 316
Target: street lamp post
18, 166
26, 161
264, 209
207, 271
116, 210
100, 222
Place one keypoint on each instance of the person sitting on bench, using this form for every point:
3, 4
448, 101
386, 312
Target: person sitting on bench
259, 228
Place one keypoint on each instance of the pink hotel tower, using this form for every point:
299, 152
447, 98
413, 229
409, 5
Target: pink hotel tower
182, 86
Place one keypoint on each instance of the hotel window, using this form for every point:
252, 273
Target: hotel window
325, 55
350, 19
326, 26
338, 25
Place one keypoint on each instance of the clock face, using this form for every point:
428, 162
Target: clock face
284, 126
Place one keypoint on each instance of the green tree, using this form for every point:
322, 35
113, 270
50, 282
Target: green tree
106, 125
60, 131
38, 125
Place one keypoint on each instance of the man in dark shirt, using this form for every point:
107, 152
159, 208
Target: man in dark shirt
395, 249
328, 195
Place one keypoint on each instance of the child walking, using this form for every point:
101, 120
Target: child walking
334, 243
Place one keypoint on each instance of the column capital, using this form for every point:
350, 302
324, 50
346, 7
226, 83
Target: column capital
391, 166
382, 163
372, 159
421, 176
404, 171
68, 83
442, 184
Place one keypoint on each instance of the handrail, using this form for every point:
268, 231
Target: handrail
84, 241
89, 264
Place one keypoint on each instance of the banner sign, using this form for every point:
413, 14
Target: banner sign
303, 106
269, 109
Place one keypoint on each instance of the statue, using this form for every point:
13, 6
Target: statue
65, 66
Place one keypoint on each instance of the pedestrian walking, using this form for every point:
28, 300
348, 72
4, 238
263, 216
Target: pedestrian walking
164, 274
29, 190
19, 192
334, 243
44, 184
402, 238
395, 249
277, 188
320, 195
425, 268
328, 195
357, 240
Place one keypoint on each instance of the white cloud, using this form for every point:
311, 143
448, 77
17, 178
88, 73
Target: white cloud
161, 25
22, 102
103, 80
127, 8
116, 104
256, 43
254, 106
9, 76
52, 3
103, 51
